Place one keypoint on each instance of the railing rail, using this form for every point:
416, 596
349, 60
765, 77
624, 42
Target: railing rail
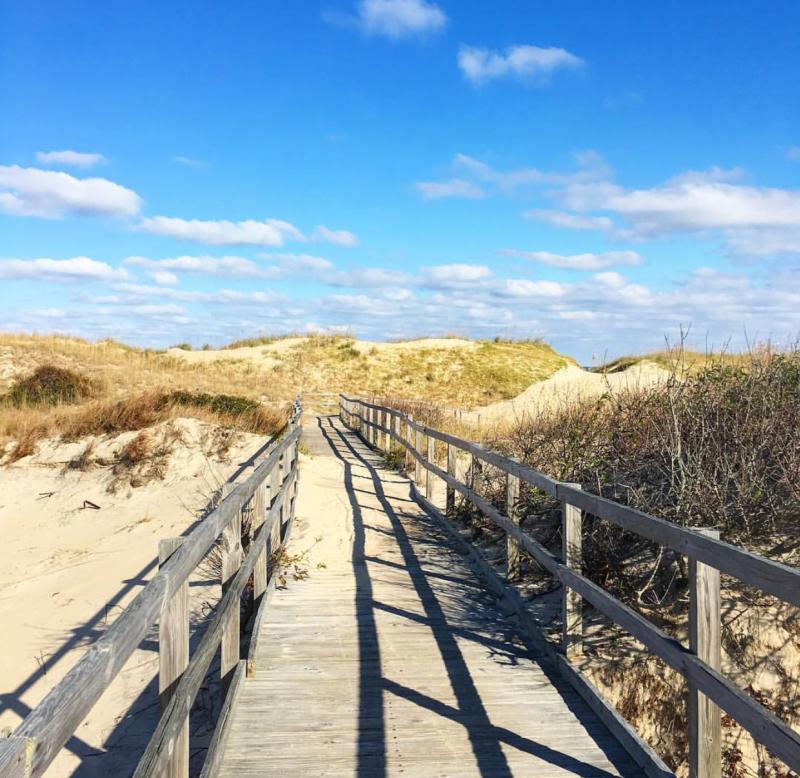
42, 734
698, 664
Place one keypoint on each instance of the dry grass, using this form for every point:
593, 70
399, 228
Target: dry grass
464, 375
682, 361
717, 446
25, 426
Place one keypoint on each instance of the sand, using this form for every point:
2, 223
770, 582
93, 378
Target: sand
269, 354
570, 384
67, 571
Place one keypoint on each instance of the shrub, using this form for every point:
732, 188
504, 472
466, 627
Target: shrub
718, 448
51, 385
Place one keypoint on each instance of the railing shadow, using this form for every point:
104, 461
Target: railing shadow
131, 733
470, 712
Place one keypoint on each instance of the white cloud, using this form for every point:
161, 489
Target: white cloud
793, 153
297, 262
337, 237
190, 162
400, 18
455, 187
74, 269
522, 287
367, 277
164, 277
51, 194
588, 261
50, 313
689, 203
610, 279
222, 296
455, 275
571, 221
271, 232
234, 266
476, 177
757, 242
532, 64
73, 158
220, 232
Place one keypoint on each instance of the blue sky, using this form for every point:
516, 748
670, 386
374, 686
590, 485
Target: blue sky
599, 174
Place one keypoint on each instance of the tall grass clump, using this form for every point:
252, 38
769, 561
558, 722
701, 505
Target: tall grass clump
51, 385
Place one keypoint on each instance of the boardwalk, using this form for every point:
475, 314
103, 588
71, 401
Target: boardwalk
394, 661
390, 659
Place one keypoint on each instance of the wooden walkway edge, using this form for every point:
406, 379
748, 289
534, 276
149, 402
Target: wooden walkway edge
397, 662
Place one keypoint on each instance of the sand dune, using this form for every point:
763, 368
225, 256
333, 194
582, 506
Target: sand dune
570, 384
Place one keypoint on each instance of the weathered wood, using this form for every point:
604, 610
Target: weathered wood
391, 670
772, 577
512, 511
259, 504
765, 574
428, 473
157, 752
57, 717
452, 461
571, 603
173, 657
409, 459
417, 453
221, 731
705, 727
629, 738
765, 727
16, 755
231, 560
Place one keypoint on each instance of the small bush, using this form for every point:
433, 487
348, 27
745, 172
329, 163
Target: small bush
184, 346
51, 385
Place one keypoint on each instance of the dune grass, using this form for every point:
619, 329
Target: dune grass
463, 373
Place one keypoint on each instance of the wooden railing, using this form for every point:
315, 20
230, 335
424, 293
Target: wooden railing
700, 663
268, 497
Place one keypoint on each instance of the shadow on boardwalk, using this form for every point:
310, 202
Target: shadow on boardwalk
414, 535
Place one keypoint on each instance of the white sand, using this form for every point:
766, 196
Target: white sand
66, 572
570, 384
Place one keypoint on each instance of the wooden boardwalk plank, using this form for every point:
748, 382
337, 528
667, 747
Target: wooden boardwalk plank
395, 662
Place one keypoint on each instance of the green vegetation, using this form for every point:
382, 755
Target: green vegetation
475, 373
679, 360
51, 385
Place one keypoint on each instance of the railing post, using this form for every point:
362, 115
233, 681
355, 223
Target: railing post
705, 727
418, 465
512, 511
387, 440
231, 547
410, 438
370, 429
173, 657
295, 476
259, 506
450, 500
571, 603
431, 457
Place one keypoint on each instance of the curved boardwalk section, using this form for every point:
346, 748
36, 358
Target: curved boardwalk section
392, 660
